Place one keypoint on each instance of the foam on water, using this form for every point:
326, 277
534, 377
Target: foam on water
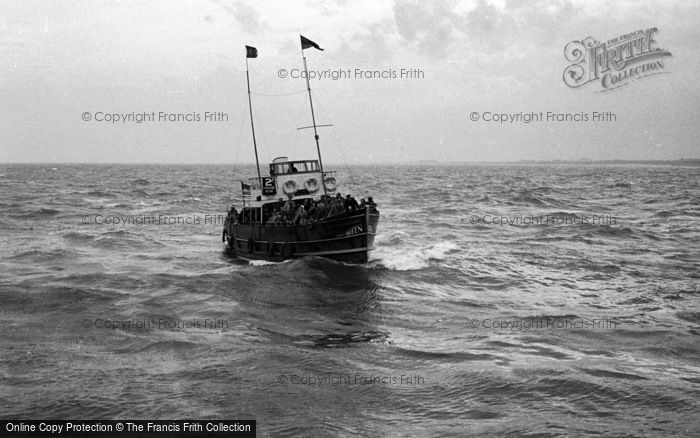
264, 262
405, 258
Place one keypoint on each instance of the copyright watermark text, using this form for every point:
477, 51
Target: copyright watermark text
352, 74
141, 220
153, 117
545, 219
540, 323
153, 324
520, 117
357, 379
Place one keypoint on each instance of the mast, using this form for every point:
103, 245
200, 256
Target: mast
252, 52
308, 43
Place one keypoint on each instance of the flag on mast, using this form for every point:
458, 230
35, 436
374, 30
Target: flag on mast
251, 52
245, 188
306, 43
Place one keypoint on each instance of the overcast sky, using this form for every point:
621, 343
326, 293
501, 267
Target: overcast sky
62, 59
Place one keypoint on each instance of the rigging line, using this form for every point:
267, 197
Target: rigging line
261, 133
278, 95
301, 109
237, 145
236, 149
351, 173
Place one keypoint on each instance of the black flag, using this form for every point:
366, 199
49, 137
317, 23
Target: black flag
245, 188
251, 52
306, 43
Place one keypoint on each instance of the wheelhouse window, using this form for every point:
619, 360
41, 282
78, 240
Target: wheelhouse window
280, 168
294, 167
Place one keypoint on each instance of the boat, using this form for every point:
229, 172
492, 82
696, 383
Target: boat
297, 210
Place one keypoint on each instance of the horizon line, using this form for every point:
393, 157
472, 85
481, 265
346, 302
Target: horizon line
522, 161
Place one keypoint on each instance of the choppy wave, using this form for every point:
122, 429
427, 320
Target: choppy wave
503, 328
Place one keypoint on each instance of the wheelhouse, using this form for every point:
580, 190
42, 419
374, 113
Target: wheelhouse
304, 166
298, 179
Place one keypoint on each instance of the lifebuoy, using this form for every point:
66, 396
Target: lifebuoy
330, 184
251, 244
311, 185
290, 187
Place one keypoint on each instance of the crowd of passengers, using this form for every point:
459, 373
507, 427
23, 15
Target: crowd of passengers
309, 211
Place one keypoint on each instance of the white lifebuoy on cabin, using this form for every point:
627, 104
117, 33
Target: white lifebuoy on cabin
290, 187
330, 184
311, 185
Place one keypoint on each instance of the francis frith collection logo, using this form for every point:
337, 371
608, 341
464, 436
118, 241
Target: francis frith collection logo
614, 63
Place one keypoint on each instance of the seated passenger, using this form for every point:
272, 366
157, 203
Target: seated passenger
371, 203
313, 211
288, 209
336, 208
350, 203
322, 210
301, 216
276, 218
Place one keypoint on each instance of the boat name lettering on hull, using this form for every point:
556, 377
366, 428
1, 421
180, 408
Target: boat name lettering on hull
357, 229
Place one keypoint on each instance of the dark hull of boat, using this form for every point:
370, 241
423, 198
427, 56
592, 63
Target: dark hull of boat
347, 237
